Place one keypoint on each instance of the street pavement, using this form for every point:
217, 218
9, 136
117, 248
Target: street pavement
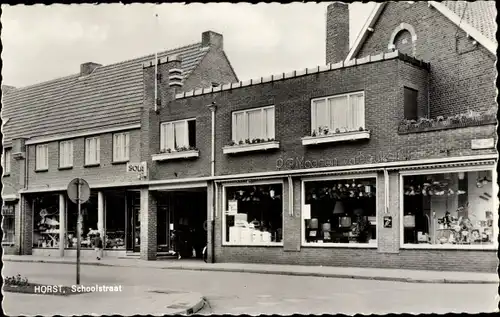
253, 294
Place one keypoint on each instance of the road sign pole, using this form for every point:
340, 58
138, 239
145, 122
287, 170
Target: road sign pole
78, 232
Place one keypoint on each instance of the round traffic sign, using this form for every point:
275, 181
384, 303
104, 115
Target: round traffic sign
73, 190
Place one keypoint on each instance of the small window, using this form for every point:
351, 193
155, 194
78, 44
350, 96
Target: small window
121, 147
7, 159
257, 123
411, 103
178, 135
66, 154
92, 151
340, 113
42, 157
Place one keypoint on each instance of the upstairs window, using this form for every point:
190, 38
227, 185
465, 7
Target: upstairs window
411, 103
257, 123
42, 157
66, 154
6, 164
178, 135
121, 147
341, 113
92, 151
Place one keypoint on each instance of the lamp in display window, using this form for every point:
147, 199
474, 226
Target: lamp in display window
482, 181
461, 175
344, 221
409, 221
271, 193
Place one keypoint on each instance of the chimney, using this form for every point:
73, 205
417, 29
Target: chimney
337, 32
212, 39
88, 68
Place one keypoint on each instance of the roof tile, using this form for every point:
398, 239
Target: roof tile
111, 95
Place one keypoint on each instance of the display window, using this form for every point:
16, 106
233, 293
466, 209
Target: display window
46, 221
253, 214
340, 211
115, 221
8, 223
88, 224
449, 209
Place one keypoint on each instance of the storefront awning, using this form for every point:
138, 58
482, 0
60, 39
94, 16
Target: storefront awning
445, 165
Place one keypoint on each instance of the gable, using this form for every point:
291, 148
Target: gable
476, 19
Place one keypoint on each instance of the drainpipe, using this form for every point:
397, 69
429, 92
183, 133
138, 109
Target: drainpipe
213, 108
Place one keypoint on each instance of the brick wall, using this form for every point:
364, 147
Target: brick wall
107, 172
462, 76
382, 83
148, 225
214, 67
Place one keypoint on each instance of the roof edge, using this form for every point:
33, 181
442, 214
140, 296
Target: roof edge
466, 27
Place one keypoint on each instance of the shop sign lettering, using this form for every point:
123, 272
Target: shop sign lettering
300, 162
137, 168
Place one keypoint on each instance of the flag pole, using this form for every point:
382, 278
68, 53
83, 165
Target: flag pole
156, 67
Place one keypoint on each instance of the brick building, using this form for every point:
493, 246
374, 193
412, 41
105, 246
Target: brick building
88, 125
384, 157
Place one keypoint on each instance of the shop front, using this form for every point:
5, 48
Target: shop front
417, 216
9, 207
114, 214
182, 222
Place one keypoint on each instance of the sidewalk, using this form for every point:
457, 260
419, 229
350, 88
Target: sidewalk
129, 302
399, 275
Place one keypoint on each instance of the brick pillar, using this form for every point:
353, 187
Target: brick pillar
26, 238
148, 225
388, 238
62, 224
18, 228
292, 219
210, 216
100, 214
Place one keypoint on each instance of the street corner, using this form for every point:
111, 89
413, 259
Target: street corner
181, 303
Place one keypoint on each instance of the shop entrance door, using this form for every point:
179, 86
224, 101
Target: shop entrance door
133, 222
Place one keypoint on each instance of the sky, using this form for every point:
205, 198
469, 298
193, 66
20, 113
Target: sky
43, 42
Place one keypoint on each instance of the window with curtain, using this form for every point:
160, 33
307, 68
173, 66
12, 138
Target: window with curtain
340, 113
178, 135
6, 165
253, 124
66, 154
42, 157
92, 151
121, 147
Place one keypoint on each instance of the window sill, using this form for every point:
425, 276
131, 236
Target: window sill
92, 165
491, 247
41, 171
262, 244
119, 162
232, 149
62, 168
336, 137
175, 155
341, 245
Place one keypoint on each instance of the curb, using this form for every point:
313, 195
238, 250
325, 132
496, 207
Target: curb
193, 309
291, 273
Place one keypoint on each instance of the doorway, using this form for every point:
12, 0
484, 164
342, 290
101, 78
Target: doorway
133, 221
181, 220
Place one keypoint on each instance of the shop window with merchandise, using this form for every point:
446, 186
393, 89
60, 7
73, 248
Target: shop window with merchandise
46, 221
8, 224
449, 209
88, 226
340, 211
253, 214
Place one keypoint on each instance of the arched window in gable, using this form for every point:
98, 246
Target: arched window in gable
403, 39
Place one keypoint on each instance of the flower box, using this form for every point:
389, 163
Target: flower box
461, 120
262, 146
175, 155
336, 137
